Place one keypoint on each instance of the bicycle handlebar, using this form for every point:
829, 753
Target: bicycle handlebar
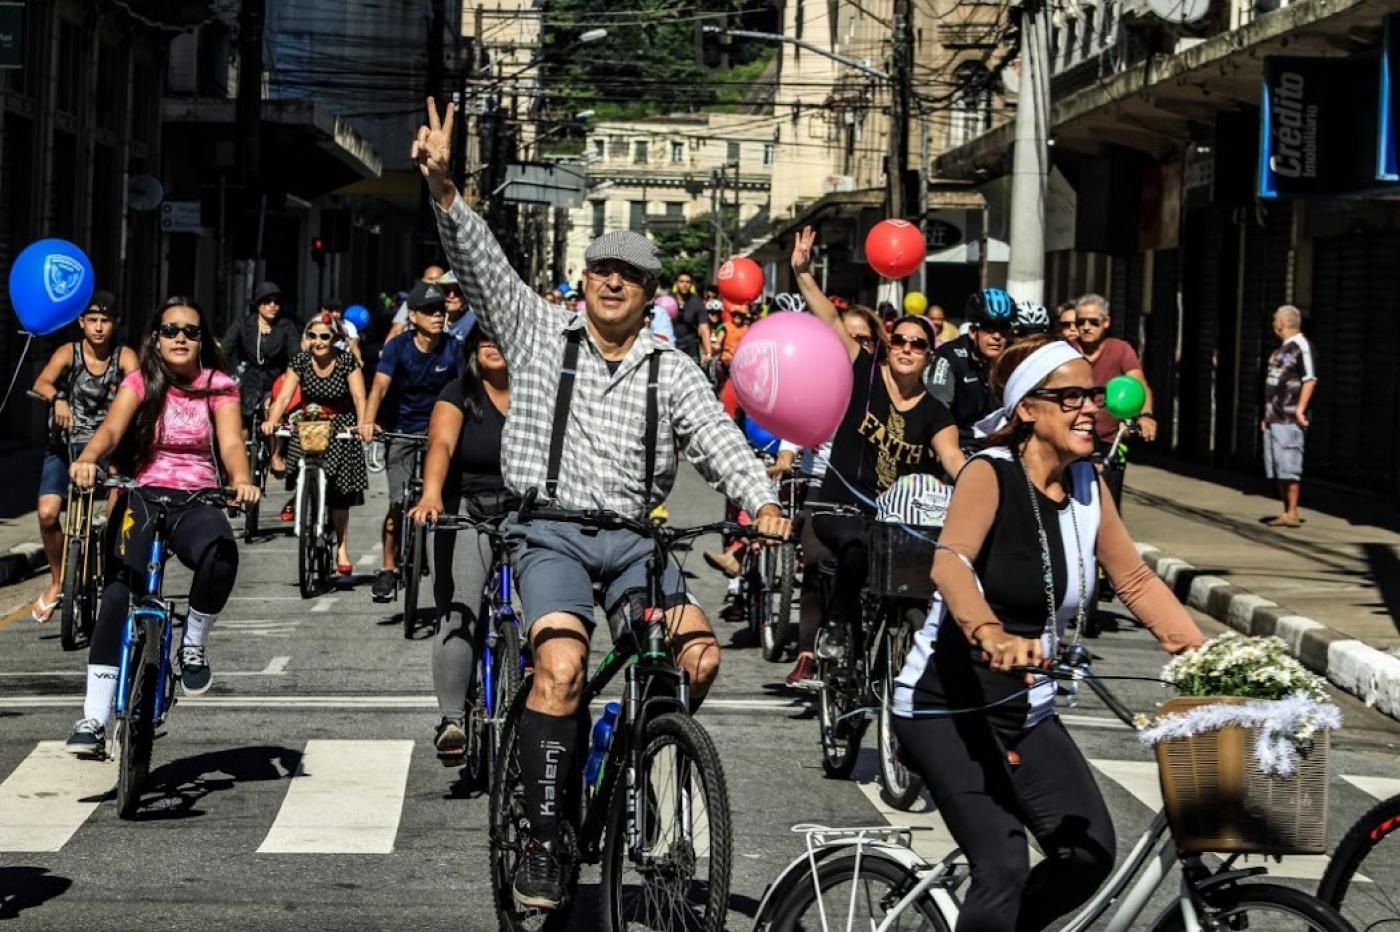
396, 435
604, 519
1075, 664
220, 497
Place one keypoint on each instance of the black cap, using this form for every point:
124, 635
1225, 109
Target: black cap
104, 300
263, 292
426, 294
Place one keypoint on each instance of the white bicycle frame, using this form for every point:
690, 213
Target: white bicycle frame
320, 486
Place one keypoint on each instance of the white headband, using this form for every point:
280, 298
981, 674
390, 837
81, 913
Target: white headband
1033, 370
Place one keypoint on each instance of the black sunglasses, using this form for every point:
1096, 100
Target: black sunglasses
1089, 321
435, 311
171, 331
629, 274
916, 344
864, 341
1071, 397
1068, 324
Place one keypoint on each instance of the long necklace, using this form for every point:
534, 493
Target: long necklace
1051, 612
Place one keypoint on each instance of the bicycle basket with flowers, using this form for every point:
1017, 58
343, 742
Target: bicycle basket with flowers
313, 424
1242, 752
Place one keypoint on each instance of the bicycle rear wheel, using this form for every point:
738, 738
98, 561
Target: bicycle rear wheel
840, 734
258, 470
1265, 907
137, 728
71, 608
867, 899
309, 533
412, 573
680, 877
1362, 881
899, 786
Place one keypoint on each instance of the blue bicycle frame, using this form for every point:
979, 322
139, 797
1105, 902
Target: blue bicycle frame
149, 605
498, 599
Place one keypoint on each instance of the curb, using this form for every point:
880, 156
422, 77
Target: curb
1371, 675
21, 562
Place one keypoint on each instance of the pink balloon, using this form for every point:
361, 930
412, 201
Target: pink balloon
792, 375
668, 304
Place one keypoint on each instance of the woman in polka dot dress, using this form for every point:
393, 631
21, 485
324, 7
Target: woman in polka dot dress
332, 379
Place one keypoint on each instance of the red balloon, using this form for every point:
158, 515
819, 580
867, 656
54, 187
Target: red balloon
895, 248
740, 280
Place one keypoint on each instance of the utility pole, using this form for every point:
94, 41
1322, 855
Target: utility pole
737, 223
716, 198
901, 74
1030, 158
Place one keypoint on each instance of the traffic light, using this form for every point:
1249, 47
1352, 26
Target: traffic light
711, 45
318, 250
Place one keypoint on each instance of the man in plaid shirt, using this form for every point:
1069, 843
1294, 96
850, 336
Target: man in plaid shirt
601, 465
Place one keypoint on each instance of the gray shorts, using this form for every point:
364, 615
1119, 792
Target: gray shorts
1283, 452
558, 565
398, 467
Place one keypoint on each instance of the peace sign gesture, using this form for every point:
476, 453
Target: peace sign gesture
432, 151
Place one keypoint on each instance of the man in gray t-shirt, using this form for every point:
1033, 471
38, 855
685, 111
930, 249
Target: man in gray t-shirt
1288, 390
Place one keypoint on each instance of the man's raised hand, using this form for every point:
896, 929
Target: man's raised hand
432, 151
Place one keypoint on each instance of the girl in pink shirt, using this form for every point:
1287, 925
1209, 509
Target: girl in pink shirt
165, 425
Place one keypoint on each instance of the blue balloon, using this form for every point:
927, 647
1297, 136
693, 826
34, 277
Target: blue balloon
760, 439
50, 284
358, 315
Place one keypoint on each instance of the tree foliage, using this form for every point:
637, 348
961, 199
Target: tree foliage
687, 247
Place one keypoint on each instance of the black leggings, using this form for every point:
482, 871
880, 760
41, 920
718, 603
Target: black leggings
826, 537
202, 540
988, 805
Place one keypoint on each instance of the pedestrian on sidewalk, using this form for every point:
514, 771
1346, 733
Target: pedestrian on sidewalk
1111, 357
1288, 391
79, 381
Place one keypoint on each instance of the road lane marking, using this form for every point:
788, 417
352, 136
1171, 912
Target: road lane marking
1378, 787
277, 666
346, 798
324, 603
366, 560
24, 611
49, 796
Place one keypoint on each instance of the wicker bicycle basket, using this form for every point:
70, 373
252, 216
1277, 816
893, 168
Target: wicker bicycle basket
1218, 799
315, 436
900, 560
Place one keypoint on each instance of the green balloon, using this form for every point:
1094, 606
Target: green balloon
1126, 397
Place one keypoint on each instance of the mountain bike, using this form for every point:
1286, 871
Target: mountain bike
145, 675
316, 538
412, 540
82, 568
1362, 877
870, 878
658, 815
779, 572
501, 662
259, 464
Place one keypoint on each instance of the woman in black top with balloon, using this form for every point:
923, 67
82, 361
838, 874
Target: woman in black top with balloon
462, 472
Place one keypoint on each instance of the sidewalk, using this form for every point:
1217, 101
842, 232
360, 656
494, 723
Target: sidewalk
21, 554
1331, 588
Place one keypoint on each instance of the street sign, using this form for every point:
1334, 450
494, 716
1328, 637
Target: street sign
11, 35
544, 183
180, 217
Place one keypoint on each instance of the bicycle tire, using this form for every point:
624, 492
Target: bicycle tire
840, 738
138, 726
308, 532
899, 786
1369, 905
325, 557
256, 469
71, 596
509, 672
799, 911
505, 814
1229, 902
777, 628
412, 578
690, 741
755, 594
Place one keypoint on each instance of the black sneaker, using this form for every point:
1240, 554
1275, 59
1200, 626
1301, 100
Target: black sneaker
195, 675
89, 740
539, 878
450, 741
384, 585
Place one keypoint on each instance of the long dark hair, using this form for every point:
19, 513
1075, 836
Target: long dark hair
158, 378
473, 386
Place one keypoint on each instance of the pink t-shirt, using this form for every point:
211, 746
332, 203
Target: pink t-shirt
184, 454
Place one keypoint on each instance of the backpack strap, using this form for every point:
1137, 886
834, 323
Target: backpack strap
653, 419
562, 400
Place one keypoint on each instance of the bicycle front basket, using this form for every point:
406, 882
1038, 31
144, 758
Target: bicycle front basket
315, 436
901, 559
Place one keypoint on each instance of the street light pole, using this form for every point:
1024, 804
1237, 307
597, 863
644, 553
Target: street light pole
899, 116
1030, 158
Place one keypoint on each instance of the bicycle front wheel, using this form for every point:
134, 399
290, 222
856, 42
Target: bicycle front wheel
74, 589
308, 533
1260, 906
899, 786
777, 625
1362, 881
412, 574
677, 877
258, 470
137, 728
857, 901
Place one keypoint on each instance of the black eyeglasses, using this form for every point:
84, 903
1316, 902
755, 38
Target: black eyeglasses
1071, 397
629, 274
915, 344
171, 331
321, 337
1067, 325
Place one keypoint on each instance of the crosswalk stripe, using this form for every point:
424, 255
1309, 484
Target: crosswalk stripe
49, 796
1379, 787
346, 798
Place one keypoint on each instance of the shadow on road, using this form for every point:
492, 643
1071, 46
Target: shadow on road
24, 888
179, 785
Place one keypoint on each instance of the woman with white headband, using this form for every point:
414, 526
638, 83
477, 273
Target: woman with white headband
1031, 518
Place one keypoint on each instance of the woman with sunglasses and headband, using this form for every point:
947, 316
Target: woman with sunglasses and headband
331, 378
892, 428
1032, 520
173, 423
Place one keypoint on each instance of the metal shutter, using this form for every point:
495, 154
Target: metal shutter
1200, 284
1265, 276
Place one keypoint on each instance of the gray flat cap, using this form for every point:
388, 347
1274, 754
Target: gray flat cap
625, 246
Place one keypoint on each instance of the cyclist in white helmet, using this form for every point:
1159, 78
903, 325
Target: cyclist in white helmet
1031, 318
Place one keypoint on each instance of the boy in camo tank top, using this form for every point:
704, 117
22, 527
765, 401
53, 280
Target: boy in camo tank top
79, 381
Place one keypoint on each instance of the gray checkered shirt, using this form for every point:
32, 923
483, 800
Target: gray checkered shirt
603, 463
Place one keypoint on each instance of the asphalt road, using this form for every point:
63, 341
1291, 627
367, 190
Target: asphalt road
326, 694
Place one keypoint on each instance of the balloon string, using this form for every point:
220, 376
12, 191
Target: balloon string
19, 367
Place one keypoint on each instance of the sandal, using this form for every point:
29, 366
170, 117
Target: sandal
42, 612
345, 569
